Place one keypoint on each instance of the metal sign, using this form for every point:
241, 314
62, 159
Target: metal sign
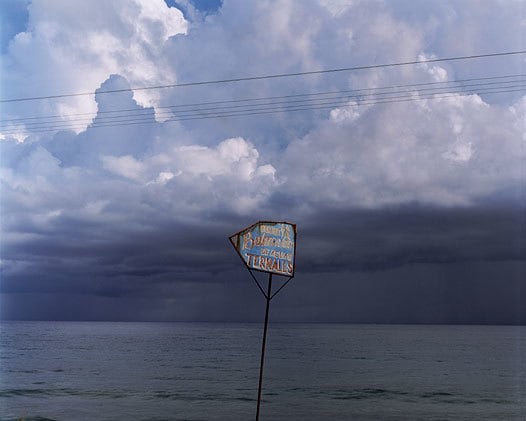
267, 247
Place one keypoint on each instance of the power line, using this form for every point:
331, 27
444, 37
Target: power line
270, 110
273, 76
284, 105
256, 109
145, 111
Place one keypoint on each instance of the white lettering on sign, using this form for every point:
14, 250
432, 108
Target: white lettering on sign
268, 247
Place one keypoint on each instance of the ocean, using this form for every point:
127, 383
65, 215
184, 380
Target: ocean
209, 371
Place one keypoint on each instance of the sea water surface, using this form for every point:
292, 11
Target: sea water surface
200, 371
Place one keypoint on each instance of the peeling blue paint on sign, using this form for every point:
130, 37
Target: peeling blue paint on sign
268, 247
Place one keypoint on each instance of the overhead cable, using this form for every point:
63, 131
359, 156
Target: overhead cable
262, 109
271, 76
463, 83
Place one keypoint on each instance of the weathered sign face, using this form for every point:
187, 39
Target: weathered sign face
268, 247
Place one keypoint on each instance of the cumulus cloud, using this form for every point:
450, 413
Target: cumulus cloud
84, 45
448, 155
137, 207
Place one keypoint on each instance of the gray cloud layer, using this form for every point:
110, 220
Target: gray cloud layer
407, 212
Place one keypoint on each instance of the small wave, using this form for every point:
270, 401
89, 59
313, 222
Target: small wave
176, 419
243, 399
22, 392
447, 397
181, 396
435, 394
35, 418
297, 389
200, 397
366, 393
8, 393
23, 371
498, 401
376, 391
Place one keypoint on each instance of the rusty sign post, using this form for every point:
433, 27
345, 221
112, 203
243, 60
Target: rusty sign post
267, 247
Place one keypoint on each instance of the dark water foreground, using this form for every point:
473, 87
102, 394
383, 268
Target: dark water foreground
198, 371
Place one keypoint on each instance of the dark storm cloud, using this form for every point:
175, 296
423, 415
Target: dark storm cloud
385, 238
408, 264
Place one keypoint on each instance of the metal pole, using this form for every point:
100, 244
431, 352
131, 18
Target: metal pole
263, 345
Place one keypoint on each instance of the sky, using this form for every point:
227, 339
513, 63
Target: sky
406, 182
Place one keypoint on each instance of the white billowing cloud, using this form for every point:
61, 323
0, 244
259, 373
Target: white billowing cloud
229, 175
164, 177
126, 166
440, 151
445, 152
36, 175
232, 156
449, 151
437, 73
183, 182
73, 46
235, 158
337, 7
460, 152
352, 111
519, 112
